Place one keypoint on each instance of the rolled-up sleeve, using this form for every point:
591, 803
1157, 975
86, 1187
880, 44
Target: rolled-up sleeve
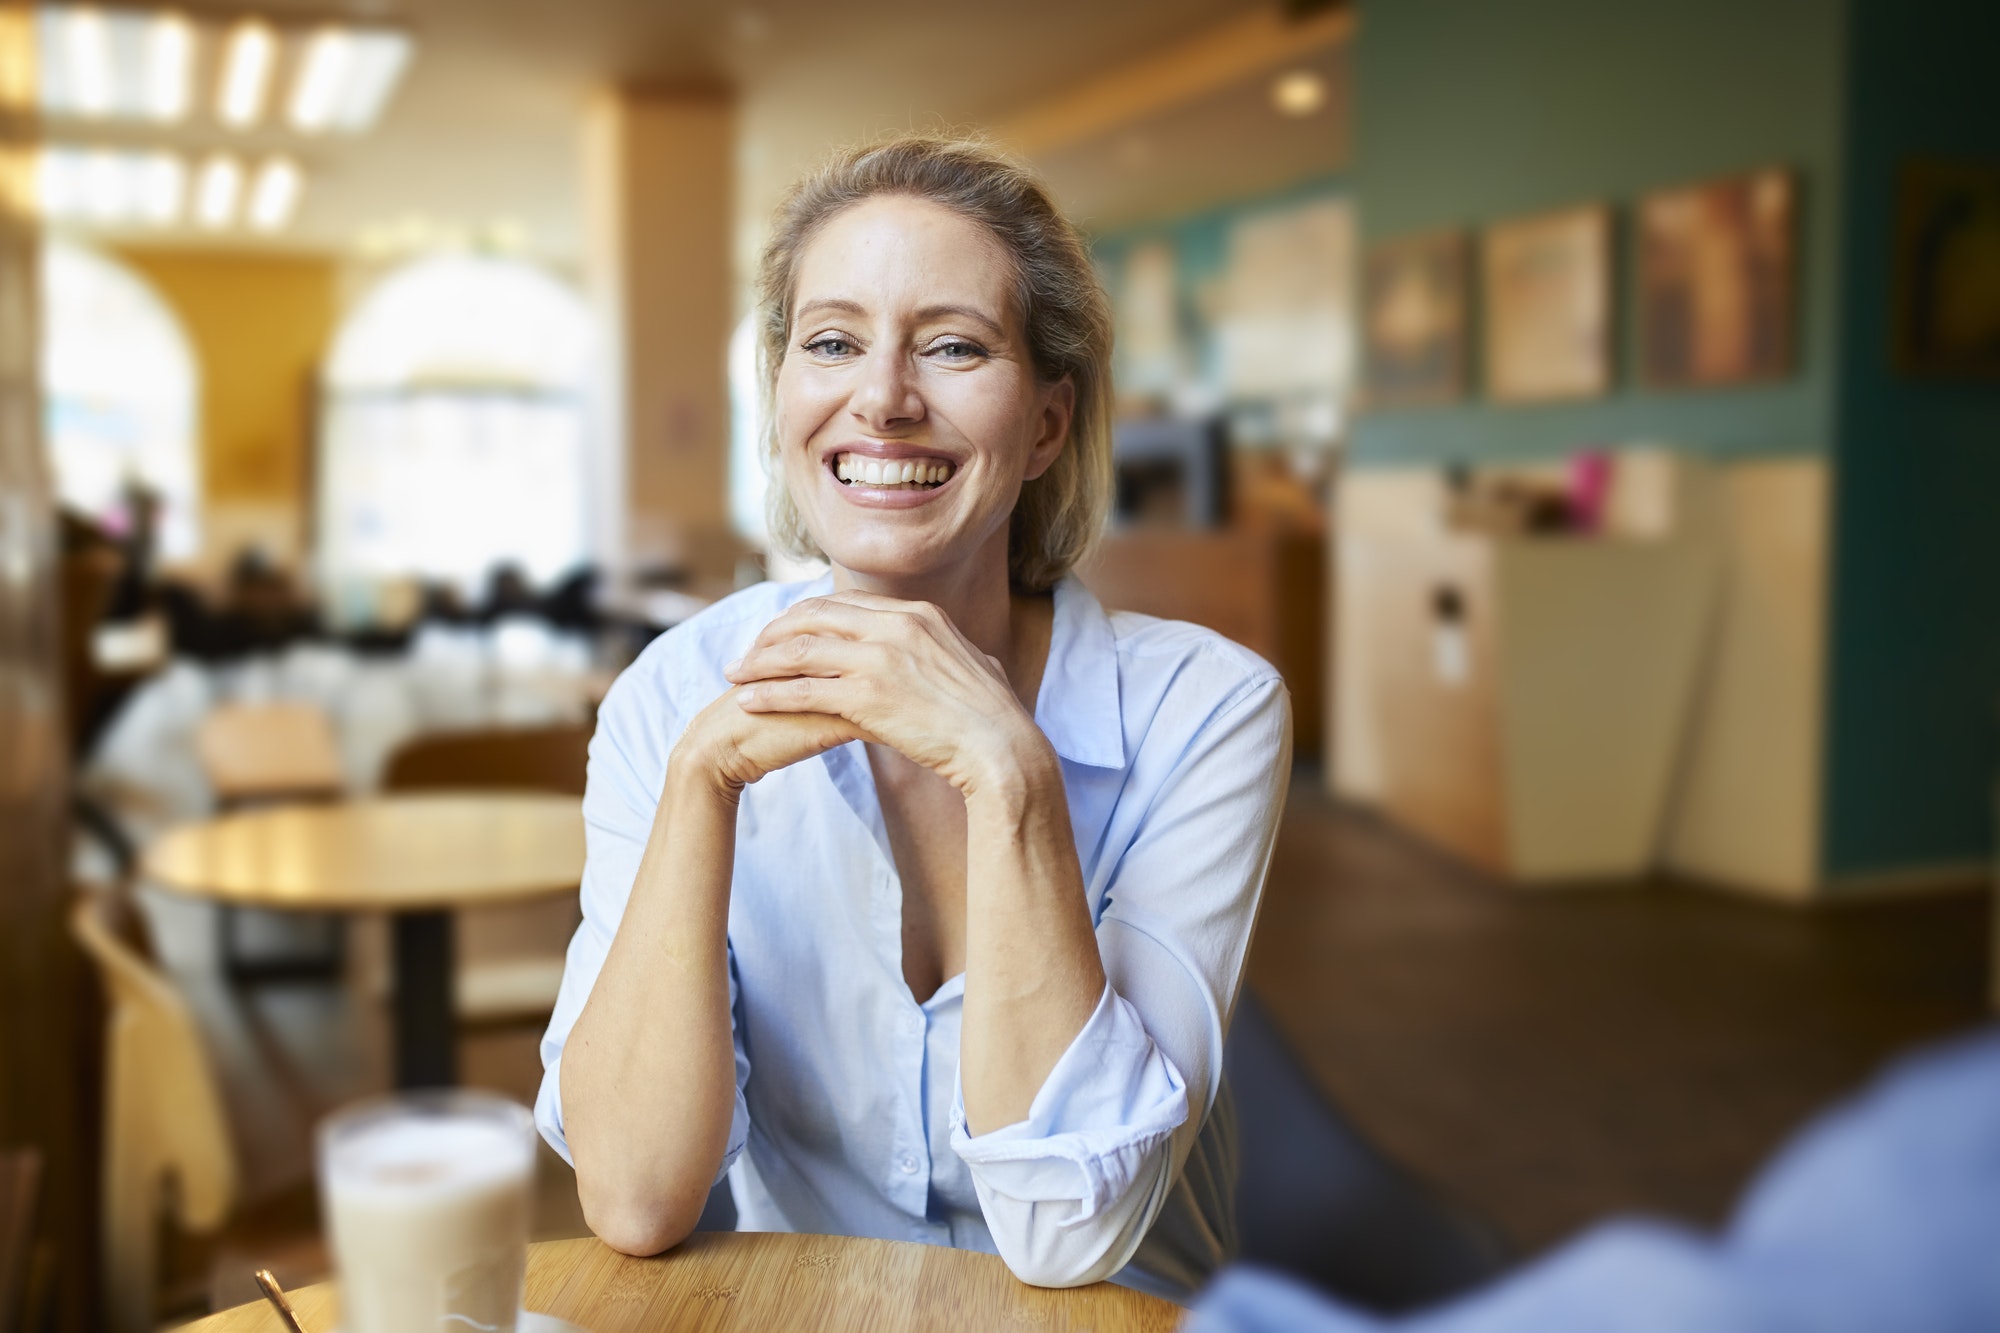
636, 729
1070, 1192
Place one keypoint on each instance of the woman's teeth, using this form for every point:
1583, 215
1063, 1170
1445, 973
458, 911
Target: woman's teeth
908, 472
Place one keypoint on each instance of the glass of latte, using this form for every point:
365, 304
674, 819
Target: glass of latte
426, 1198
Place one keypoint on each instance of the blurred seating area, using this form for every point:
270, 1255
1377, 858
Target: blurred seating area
1590, 410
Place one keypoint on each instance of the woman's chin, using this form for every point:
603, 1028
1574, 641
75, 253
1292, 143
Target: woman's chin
890, 558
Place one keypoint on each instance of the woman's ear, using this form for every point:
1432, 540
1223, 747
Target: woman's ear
1058, 406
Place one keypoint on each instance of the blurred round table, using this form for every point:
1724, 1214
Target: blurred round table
416, 857
778, 1280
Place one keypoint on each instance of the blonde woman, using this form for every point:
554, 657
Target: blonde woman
918, 897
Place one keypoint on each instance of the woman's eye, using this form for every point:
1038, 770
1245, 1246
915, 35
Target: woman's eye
829, 346
957, 349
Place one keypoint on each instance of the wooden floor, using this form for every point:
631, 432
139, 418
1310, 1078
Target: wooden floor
1549, 1059
1553, 1058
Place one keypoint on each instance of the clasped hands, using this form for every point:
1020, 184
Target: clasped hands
859, 666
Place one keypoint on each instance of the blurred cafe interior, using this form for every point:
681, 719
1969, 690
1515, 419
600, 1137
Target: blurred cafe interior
1592, 411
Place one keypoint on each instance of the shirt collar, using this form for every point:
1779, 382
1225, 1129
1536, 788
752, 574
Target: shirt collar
1077, 708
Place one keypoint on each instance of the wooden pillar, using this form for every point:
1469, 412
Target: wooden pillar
660, 189
47, 1051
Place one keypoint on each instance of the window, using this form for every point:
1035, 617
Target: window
453, 440
119, 388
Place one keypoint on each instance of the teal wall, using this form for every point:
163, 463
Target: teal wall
1472, 111
1201, 254
1915, 700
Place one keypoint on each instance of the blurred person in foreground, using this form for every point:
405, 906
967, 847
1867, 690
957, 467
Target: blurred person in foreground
920, 894
1882, 1215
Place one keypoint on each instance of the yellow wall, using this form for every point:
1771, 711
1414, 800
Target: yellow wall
260, 325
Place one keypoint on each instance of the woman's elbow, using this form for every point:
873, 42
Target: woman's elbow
1045, 1254
636, 1226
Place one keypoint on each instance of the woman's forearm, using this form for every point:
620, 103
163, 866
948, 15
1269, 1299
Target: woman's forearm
648, 1073
1033, 974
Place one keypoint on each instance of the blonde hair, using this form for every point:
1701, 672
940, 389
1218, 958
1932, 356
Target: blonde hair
1062, 305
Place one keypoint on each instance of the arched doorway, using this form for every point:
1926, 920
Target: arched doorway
120, 386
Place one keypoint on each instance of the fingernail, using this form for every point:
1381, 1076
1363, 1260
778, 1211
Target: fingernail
747, 695
730, 670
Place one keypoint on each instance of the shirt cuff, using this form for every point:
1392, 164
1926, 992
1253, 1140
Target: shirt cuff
1112, 1098
548, 1109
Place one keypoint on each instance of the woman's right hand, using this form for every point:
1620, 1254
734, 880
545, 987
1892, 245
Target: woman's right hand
732, 748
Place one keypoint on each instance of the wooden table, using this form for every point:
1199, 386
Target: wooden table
776, 1281
416, 857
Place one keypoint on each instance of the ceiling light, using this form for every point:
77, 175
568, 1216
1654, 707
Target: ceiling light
110, 186
275, 195
59, 182
169, 67
1299, 93
379, 57
87, 62
345, 78
215, 193
162, 186
246, 71
323, 76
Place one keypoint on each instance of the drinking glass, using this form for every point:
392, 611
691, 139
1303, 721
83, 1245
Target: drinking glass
426, 1197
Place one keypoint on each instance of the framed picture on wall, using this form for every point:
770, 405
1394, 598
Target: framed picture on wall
1716, 265
1414, 320
1546, 285
1947, 289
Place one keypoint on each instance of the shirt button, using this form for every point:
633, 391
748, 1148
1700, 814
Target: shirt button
909, 1164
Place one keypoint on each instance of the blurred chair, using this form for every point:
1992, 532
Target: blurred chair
1316, 1200
167, 1155
262, 754
255, 754
511, 957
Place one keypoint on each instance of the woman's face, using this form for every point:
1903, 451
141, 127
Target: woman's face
908, 413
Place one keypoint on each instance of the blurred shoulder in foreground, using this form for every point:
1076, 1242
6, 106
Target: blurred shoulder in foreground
1881, 1214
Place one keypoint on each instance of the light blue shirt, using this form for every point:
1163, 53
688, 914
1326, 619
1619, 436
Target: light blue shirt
1884, 1215
1175, 750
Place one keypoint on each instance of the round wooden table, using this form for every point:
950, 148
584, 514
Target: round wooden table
414, 856
776, 1281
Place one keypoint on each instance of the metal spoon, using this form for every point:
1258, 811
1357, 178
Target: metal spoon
275, 1294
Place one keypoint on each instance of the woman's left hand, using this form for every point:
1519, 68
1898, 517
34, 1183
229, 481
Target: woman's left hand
902, 673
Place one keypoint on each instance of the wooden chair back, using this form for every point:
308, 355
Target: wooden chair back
164, 1118
510, 758
510, 957
268, 752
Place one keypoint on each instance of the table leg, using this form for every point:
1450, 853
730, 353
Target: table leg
425, 1028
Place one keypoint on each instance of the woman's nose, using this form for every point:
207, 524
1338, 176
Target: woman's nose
887, 396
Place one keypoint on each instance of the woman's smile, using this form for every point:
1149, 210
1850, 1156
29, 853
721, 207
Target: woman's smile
888, 474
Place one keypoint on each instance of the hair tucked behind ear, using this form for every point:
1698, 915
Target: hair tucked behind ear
1062, 306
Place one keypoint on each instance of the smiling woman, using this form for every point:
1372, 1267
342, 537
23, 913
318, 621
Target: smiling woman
966, 864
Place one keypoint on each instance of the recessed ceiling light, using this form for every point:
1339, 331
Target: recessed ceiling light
169, 67
162, 186
87, 52
246, 72
275, 196
1298, 93
323, 72
345, 78
217, 190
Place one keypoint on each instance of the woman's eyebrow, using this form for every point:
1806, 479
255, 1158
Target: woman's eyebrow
833, 303
840, 305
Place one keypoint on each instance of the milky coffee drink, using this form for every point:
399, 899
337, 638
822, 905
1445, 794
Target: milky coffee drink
426, 1200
